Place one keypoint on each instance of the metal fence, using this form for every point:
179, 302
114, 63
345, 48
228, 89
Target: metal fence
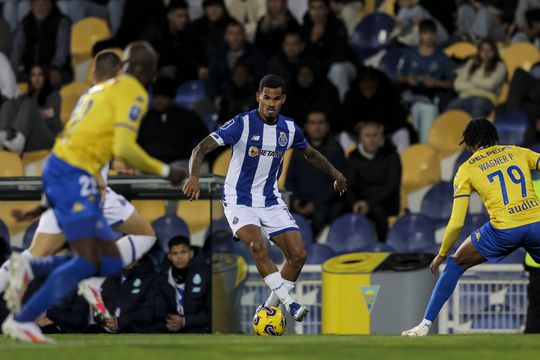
487, 299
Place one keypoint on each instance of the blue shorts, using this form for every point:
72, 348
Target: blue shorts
494, 244
73, 195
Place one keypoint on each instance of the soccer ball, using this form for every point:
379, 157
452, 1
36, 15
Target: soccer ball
269, 321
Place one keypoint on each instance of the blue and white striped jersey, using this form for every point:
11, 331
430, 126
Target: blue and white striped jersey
257, 157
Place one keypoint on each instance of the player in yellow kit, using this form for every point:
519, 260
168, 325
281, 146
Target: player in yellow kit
501, 175
104, 124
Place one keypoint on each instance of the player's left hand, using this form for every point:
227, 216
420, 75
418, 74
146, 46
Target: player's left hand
340, 183
174, 323
112, 324
436, 263
29, 213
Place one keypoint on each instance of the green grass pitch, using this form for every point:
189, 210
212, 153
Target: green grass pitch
236, 347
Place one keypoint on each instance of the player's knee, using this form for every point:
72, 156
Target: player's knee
258, 249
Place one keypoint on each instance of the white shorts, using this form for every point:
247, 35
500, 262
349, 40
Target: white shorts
116, 210
273, 220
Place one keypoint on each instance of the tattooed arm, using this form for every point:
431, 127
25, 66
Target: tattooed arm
319, 161
191, 188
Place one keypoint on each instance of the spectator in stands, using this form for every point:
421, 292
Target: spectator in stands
480, 19
273, 26
5, 38
526, 11
347, 11
187, 272
374, 175
247, 13
169, 132
530, 30
312, 190
373, 97
176, 44
43, 37
140, 301
210, 28
236, 50
328, 40
409, 16
14, 11
8, 82
31, 121
105, 9
293, 53
478, 82
238, 96
308, 90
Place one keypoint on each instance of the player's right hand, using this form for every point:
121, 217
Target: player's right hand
192, 189
28, 214
436, 263
176, 174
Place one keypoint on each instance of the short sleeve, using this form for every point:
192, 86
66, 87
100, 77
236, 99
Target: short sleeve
462, 184
533, 159
130, 108
299, 141
230, 132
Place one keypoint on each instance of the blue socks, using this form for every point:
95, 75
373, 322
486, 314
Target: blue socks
45, 265
62, 282
443, 289
110, 266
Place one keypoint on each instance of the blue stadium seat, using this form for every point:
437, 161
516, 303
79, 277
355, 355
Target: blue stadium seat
189, 93
219, 224
210, 120
472, 222
275, 254
4, 232
512, 125
411, 233
221, 241
167, 227
371, 35
5, 249
349, 233
389, 62
379, 247
305, 230
460, 160
29, 234
319, 253
437, 203
517, 257
242, 250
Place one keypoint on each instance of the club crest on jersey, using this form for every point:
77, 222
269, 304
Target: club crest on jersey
134, 112
253, 151
282, 139
235, 220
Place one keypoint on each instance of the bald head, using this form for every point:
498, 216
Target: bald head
140, 61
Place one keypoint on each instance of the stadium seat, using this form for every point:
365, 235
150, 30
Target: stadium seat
189, 93
219, 224
4, 232
512, 126
242, 250
210, 120
460, 160
390, 61
33, 162
197, 213
84, 34
11, 164
283, 175
221, 165
276, 254
350, 232
517, 257
520, 55
371, 35
379, 247
460, 50
446, 132
472, 222
305, 229
437, 203
150, 209
70, 94
167, 227
5, 249
319, 253
421, 167
411, 233
29, 234
221, 241
350, 149
15, 227
23, 87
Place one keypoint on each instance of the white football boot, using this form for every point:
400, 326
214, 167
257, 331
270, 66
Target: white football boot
20, 275
24, 331
419, 330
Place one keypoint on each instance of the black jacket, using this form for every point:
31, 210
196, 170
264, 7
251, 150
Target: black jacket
210, 34
279, 64
197, 294
378, 180
171, 135
270, 42
144, 300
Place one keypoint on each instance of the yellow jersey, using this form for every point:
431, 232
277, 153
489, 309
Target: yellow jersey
108, 112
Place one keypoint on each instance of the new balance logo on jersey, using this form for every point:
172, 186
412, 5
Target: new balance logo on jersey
255, 138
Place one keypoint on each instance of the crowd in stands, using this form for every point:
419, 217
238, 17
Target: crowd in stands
358, 111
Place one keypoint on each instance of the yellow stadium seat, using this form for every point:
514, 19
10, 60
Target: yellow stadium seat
150, 209
84, 34
91, 68
33, 162
521, 55
6, 207
11, 164
197, 213
350, 149
221, 165
446, 132
460, 50
70, 94
389, 7
286, 162
421, 167
23, 87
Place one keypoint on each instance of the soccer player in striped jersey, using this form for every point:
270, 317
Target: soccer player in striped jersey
501, 175
252, 201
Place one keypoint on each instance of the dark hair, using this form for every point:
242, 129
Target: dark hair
368, 74
492, 64
326, 2
480, 132
235, 23
179, 240
43, 93
272, 81
107, 64
297, 33
177, 4
427, 25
